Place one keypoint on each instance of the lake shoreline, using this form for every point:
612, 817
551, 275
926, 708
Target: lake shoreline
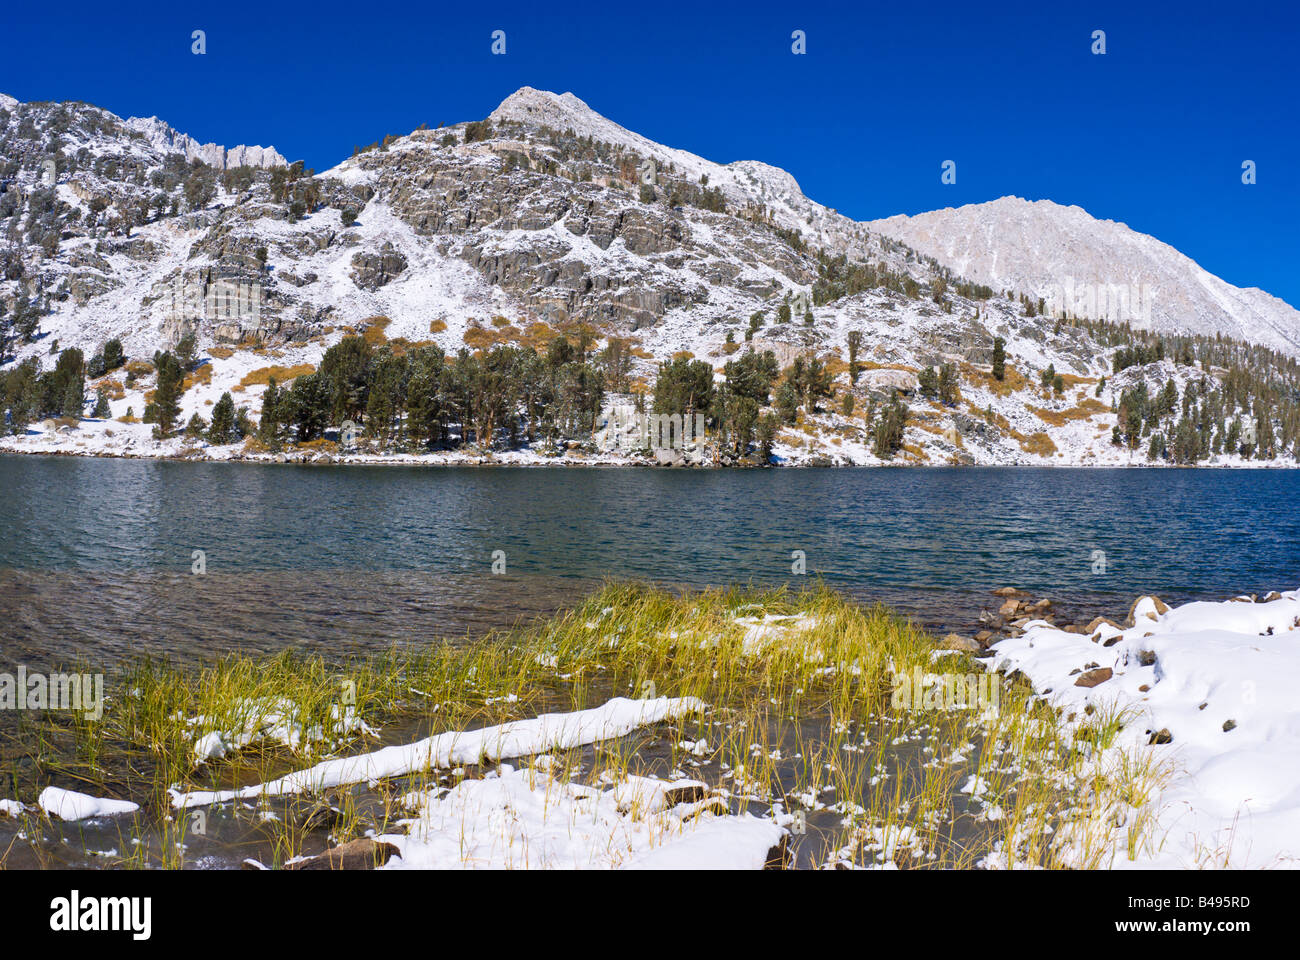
656, 709
517, 458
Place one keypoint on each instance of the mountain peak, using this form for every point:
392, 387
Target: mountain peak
562, 111
167, 139
530, 105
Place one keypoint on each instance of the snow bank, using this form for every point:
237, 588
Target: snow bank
68, 805
518, 738
1216, 684
526, 818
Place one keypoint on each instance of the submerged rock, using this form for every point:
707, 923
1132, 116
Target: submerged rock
363, 854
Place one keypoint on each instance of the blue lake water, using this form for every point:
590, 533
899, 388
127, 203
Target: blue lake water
96, 555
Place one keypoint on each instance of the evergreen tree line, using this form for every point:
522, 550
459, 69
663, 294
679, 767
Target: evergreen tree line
1205, 421
423, 399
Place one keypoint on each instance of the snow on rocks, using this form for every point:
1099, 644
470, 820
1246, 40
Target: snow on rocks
1212, 687
516, 738
69, 805
525, 818
11, 808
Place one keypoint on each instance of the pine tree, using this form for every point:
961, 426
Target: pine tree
269, 426
74, 398
186, 352
947, 385
308, 407
889, 428
222, 429
767, 427
855, 346
167, 394
999, 359
929, 383
787, 401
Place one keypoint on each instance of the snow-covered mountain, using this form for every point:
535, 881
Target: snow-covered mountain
1043, 249
545, 218
743, 182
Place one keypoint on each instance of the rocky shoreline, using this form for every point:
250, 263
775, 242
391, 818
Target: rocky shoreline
518, 458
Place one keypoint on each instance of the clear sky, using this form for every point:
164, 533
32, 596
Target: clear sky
1153, 133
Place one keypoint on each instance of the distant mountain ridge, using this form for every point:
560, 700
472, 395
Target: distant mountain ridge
167, 139
1033, 247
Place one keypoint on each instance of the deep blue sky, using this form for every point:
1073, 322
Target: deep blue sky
1152, 134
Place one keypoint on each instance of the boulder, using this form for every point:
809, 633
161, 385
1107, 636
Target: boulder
955, 642
885, 380
779, 857
1146, 608
362, 854
370, 271
1097, 622
688, 793
1091, 678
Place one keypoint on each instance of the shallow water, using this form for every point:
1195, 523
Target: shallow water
96, 555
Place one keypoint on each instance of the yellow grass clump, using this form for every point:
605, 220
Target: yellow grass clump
262, 375
1088, 408
480, 338
1013, 380
374, 330
1039, 444
201, 375
113, 389
538, 334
